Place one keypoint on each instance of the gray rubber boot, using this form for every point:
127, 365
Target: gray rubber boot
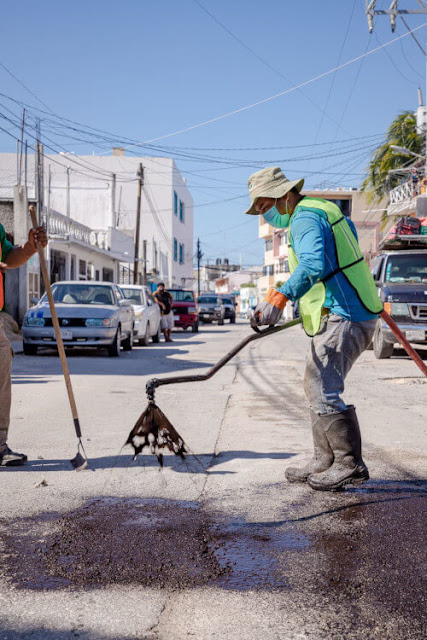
323, 455
343, 433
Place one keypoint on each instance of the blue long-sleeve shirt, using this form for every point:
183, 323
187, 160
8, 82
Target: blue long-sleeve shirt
314, 244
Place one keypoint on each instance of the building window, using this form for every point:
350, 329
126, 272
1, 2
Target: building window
175, 250
97, 274
268, 244
82, 269
181, 253
268, 270
89, 271
175, 203
181, 211
108, 275
72, 267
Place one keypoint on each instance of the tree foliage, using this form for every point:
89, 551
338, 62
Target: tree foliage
403, 133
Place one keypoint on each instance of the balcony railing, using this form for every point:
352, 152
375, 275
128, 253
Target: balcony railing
406, 191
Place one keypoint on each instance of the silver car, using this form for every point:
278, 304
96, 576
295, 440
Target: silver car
147, 313
91, 314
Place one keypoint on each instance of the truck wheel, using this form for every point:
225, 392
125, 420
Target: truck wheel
29, 349
233, 319
114, 348
195, 327
382, 348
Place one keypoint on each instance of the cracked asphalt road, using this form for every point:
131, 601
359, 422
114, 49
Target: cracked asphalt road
233, 550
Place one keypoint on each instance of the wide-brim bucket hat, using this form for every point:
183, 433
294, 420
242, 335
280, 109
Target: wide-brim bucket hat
270, 183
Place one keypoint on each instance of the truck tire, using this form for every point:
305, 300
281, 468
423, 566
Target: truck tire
233, 319
145, 341
382, 348
195, 327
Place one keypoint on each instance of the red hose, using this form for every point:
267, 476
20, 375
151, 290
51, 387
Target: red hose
403, 341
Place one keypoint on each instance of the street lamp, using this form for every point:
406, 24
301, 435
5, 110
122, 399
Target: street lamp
405, 151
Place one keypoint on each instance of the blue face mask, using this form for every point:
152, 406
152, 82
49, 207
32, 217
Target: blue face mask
276, 219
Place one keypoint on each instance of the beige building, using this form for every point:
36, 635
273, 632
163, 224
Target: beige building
352, 203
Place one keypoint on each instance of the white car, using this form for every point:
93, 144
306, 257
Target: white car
147, 313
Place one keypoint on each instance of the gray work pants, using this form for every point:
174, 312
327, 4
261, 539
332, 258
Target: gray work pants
6, 355
333, 351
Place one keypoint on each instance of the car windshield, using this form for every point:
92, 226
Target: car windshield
208, 300
181, 296
407, 268
81, 294
134, 295
227, 301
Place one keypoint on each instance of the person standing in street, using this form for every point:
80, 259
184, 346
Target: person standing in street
10, 258
339, 306
165, 301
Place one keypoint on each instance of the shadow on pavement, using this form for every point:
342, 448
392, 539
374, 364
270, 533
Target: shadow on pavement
41, 633
191, 464
141, 361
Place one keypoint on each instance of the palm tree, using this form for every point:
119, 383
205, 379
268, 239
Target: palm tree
403, 133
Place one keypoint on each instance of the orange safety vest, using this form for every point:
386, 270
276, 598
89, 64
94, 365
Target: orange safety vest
1, 287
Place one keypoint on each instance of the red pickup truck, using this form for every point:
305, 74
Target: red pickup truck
184, 309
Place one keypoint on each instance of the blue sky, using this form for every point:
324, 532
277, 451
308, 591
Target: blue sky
145, 69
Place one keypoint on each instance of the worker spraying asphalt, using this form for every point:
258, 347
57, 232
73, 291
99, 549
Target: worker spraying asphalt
339, 306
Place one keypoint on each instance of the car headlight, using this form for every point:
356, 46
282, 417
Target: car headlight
100, 322
217, 308
138, 315
399, 309
202, 309
34, 322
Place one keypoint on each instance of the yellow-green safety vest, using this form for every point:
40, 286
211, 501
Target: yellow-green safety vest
351, 264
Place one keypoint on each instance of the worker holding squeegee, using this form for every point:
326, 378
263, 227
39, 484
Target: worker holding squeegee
10, 258
339, 305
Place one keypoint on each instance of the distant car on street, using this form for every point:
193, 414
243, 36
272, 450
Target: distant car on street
211, 308
184, 309
147, 313
91, 314
229, 309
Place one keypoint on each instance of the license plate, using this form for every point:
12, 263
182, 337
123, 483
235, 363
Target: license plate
417, 334
176, 317
66, 334
205, 315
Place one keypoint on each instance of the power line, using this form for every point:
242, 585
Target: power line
282, 93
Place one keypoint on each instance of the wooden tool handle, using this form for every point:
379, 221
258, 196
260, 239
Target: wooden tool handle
55, 322
403, 341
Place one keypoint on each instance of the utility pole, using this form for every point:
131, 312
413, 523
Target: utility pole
144, 262
199, 257
140, 174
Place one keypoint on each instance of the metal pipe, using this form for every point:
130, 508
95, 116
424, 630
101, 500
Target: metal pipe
154, 383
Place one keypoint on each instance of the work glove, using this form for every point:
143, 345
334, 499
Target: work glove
270, 310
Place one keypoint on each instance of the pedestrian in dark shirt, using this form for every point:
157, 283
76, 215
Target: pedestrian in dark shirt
165, 301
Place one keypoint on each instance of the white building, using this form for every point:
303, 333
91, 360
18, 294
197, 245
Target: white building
100, 192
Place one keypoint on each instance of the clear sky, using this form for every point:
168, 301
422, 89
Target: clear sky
142, 70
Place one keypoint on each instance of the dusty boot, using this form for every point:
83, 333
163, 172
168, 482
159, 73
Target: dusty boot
343, 433
323, 455
9, 458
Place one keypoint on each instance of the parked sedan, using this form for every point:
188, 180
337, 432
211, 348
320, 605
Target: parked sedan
147, 313
91, 314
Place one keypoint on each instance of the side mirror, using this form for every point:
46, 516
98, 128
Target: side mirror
34, 301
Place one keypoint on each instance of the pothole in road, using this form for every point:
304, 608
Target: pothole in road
153, 543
